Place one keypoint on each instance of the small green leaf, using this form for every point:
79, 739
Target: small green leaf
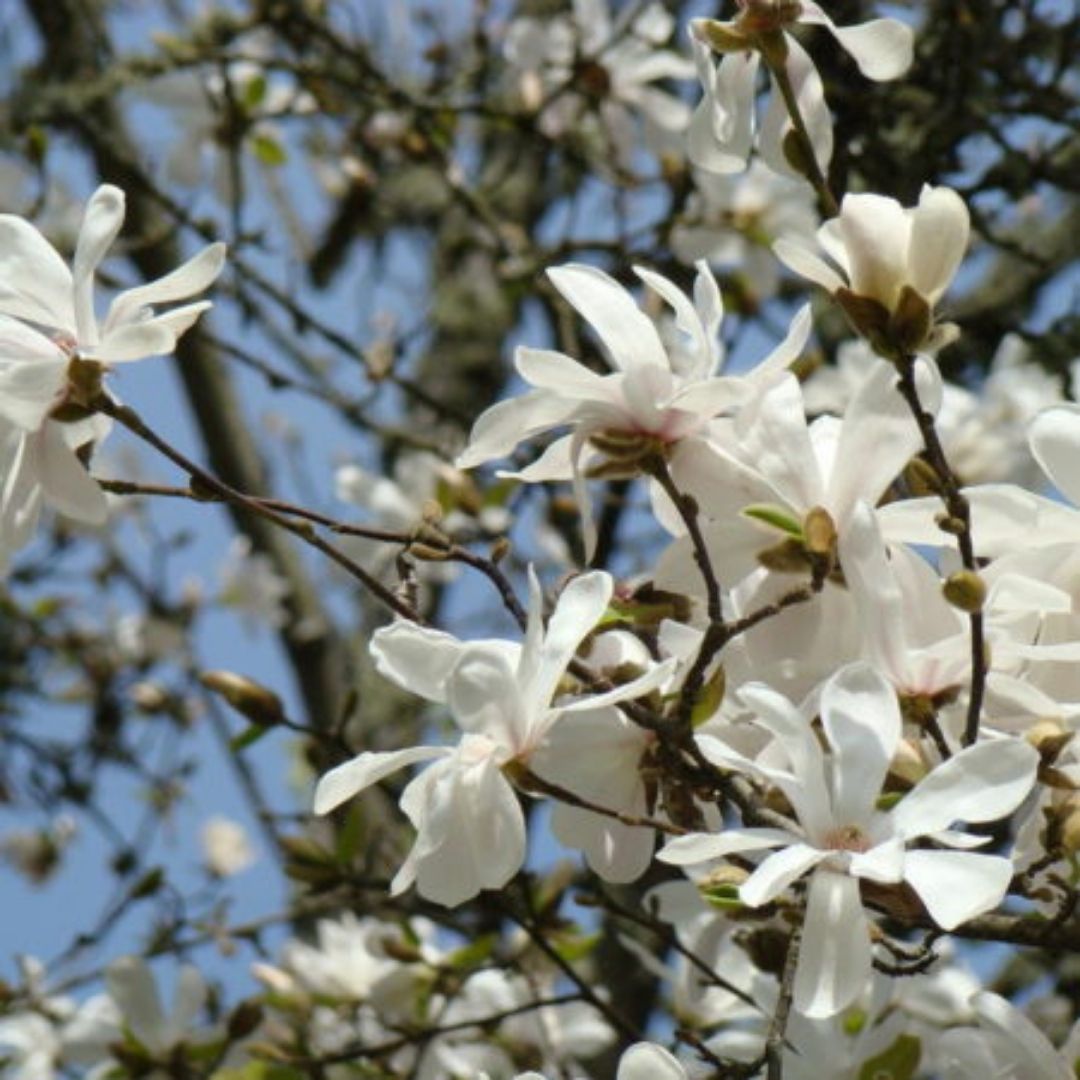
898, 1062
254, 92
475, 953
776, 517
247, 737
268, 150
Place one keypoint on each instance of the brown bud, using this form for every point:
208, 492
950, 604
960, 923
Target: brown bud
911, 321
819, 531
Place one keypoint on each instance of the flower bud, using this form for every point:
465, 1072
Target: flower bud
249, 698
965, 590
819, 531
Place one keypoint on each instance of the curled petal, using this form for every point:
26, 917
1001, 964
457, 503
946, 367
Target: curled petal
939, 237
957, 885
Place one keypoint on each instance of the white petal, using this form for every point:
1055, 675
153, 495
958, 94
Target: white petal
653, 679
35, 283
862, 720
618, 853
482, 834
191, 995
1054, 438
1025, 1039
834, 958
883, 863
647, 1061
722, 126
555, 371
500, 428
810, 95
133, 341
777, 872
883, 48
957, 885
131, 985
31, 384
416, 658
350, 778
627, 333
687, 320
101, 223
798, 255
877, 438
877, 237
66, 484
191, 277
984, 782
696, 848
579, 608
485, 698
939, 239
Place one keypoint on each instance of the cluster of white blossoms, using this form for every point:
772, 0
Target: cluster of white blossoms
841, 701
54, 351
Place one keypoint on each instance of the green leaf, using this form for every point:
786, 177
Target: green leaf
247, 737
254, 93
475, 953
574, 947
898, 1062
776, 517
268, 150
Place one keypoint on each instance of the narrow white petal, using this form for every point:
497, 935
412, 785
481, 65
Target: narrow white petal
188, 279
352, 777
957, 885
627, 333
801, 257
131, 985
578, 610
485, 698
500, 428
696, 848
877, 237
835, 956
777, 872
883, 863
557, 372
67, 486
883, 48
133, 341
984, 782
862, 720
191, 995
101, 223
1054, 438
722, 126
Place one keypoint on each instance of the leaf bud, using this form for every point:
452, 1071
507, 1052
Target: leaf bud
965, 590
249, 698
819, 531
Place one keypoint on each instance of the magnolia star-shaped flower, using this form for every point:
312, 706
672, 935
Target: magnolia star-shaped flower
470, 829
655, 397
848, 839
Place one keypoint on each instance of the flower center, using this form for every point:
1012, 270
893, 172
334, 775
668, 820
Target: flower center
846, 838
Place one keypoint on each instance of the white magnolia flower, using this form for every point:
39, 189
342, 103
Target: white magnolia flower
226, 847
1006, 1045
722, 130
47, 321
888, 265
732, 221
591, 66
471, 832
131, 986
847, 838
654, 398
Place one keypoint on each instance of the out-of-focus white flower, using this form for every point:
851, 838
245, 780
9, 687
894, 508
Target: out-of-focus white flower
226, 847
131, 986
723, 127
732, 221
887, 265
251, 586
577, 69
1006, 1045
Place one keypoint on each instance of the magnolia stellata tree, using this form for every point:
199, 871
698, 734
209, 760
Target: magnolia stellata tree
595, 597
